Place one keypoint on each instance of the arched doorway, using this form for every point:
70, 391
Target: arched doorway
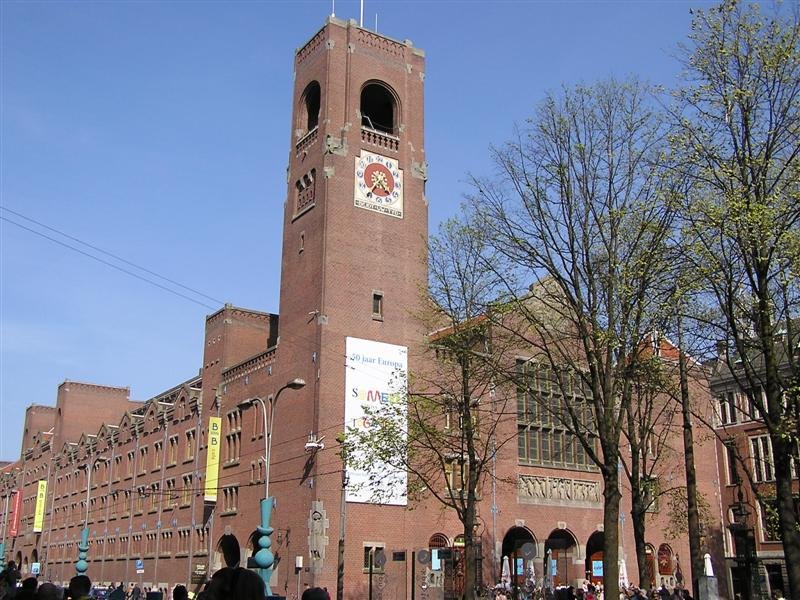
650, 564
561, 546
666, 568
519, 552
594, 557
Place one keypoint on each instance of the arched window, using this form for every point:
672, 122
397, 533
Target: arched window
378, 108
309, 107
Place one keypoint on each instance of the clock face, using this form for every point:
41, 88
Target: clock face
378, 184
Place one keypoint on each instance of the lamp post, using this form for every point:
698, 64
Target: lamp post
264, 558
81, 566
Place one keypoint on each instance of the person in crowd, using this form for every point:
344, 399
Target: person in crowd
49, 591
79, 588
28, 589
136, 592
180, 593
314, 593
8, 580
118, 593
236, 583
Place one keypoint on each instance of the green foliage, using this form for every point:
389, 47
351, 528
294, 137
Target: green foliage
676, 506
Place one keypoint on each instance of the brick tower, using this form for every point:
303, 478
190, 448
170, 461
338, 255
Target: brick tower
352, 270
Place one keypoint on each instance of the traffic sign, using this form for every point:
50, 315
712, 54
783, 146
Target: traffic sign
139, 566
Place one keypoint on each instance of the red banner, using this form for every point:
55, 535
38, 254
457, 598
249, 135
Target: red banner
16, 508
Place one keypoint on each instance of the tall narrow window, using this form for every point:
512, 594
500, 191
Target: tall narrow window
190, 441
311, 100
730, 459
377, 305
763, 469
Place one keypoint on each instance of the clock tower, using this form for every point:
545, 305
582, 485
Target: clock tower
353, 270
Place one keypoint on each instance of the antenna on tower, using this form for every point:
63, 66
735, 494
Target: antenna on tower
361, 16
376, 22
333, 8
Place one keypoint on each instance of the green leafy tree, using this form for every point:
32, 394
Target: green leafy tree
649, 429
446, 429
582, 205
739, 141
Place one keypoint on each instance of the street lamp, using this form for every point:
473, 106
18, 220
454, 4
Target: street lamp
81, 566
264, 558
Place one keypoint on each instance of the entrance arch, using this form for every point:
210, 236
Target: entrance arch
650, 563
594, 554
519, 552
562, 546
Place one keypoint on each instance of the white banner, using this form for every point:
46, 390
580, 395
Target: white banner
374, 373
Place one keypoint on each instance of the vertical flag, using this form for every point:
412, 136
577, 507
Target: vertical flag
38, 517
13, 527
212, 458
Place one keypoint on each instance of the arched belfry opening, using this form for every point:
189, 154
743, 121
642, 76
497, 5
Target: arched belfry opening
310, 105
378, 108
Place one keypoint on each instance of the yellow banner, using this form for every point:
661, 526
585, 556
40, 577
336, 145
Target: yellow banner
38, 517
212, 458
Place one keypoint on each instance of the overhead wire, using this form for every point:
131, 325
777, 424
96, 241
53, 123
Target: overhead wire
108, 263
111, 254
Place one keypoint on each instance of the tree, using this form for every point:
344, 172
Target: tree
648, 430
739, 140
581, 204
445, 431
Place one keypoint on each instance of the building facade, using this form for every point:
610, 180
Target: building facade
353, 264
753, 551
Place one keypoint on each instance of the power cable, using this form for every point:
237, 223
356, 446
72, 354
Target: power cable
109, 264
112, 255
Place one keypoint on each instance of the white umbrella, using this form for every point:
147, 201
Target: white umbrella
623, 573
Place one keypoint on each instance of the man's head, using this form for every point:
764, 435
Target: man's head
180, 593
80, 585
30, 583
49, 591
315, 593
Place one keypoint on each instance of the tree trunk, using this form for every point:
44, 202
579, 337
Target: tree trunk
781, 446
638, 514
469, 552
780, 439
611, 498
693, 514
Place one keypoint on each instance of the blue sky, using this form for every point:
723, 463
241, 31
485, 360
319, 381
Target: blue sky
159, 132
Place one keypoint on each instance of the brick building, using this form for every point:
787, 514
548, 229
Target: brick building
753, 551
355, 227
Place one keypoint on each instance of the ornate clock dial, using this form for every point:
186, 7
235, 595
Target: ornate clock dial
379, 184
379, 180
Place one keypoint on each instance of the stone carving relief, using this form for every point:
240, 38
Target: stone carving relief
558, 491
